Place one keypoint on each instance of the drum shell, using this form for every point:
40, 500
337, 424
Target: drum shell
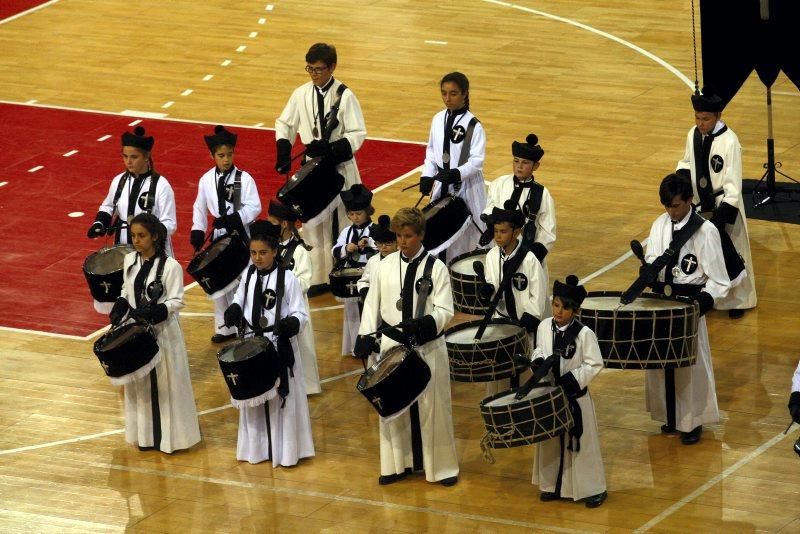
343, 282
218, 273
469, 362
127, 357
526, 421
465, 286
251, 377
398, 389
314, 191
106, 287
644, 339
442, 224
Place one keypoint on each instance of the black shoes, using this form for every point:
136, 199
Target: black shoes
596, 500
735, 314
547, 496
318, 289
222, 338
668, 429
385, 480
449, 481
690, 438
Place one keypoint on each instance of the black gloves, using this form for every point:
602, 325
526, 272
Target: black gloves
794, 406
196, 239
423, 329
152, 313
539, 250
341, 150
232, 315
283, 162
569, 384
364, 346
426, 185
318, 148
724, 214
119, 310
288, 327
521, 360
486, 291
529, 322
229, 223
705, 301
101, 223
220, 222
450, 176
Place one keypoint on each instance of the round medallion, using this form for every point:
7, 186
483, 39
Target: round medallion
703, 182
262, 322
399, 304
445, 158
667, 290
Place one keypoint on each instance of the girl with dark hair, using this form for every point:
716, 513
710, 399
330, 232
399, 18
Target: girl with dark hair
454, 162
269, 301
160, 412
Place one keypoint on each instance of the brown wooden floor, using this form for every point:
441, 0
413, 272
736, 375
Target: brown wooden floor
612, 123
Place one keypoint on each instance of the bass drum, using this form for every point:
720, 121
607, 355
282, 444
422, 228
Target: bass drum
395, 381
217, 267
127, 352
103, 272
445, 220
250, 369
312, 189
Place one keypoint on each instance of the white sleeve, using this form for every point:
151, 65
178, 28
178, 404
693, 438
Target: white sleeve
710, 256
546, 221
339, 249
172, 278
354, 129
199, 209
241, 291
491, 197
732, 175
442, 296
537, 289
429, 168
686, 162
293, 299
370, 315
591, 360
251, 203
541, 331
302, 268
796, 379
165, 200
108, 202
288, 123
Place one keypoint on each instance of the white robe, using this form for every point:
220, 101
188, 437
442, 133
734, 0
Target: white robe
301, 268
583, 474
290, 425
298, 118
530, 297
501, 189
796, 379
206, 204
728, 180
180, 428
473, 190
695, 390
440, 460
352, 315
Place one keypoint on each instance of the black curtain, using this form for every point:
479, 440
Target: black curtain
736, 39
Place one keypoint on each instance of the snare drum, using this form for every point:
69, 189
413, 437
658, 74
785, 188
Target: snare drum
445, 220
127, 352
250, 369
652, 332
312, 189
103, 272
218, 266
541, 415
395, 381
465, 283
344, 282
490, 358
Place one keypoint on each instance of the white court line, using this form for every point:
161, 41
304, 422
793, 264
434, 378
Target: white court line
708, 485
262, 21
187, 92
225, 63
610, 266
132, 112
32, 101
436, 42
269, 7
3, 184
27, 11
41, 333
253, 35
207, 77
37, 168
258, 125
101, 139
70, 153
168, 104
241, 48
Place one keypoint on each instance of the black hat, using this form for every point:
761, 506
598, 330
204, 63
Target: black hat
707, 101
356, 198
138, 139
282, 211
221, 137
381, 232
571, 290
262, 228
510, 213
530, 149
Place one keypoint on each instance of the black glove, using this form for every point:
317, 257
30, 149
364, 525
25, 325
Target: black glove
426, 185
450, 176
724, 214
364, 346
423, 329
318, 148
101, 223
569, 384
529, 322
196, 239
536, 363
119, 310
521, 360
539, 250
232, 315
283, 162
220, 222
288, 327
152, 313
486, 291
341, 150
705, 301
794, 406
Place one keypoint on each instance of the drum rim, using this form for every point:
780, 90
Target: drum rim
294, 181
465, 255
335, 273
554, 390
372, 369
104, 249
192, 266
658, 296
240, 342
477, 322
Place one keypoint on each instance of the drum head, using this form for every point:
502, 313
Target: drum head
463, 264
494, 332
107, 260
385, 366
349, 272
243, 350
121, 335
306, 169
434, 208
508, 398
610, 303
212, 251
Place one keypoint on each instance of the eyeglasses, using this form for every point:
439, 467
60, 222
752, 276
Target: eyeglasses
315, 70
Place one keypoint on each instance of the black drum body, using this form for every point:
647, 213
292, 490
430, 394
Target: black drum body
220, 263
103, 272
395, 381
250, 367
125, 349
443, 219
465, 283
344, 282
312, 188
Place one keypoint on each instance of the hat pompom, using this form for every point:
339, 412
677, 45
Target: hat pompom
384, 221
572, 280
532, 139
510, 205
139, 130
219, 128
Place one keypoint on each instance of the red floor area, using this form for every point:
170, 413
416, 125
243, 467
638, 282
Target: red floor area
9, 8
42, 249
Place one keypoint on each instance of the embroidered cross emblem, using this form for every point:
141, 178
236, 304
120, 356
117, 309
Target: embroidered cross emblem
520, 281
269, 296
145, 201
106, 286
105, 366
378, 402
352, 287
457, 134
232, 376
206, 281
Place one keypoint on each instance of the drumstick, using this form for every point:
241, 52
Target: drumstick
412, 186
418, 201
788, 427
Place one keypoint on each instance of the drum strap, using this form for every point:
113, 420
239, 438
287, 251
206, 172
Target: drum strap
133, 199
139, 283
702, 153
288, 253
333, 119
155, 409
508, 270
467, 144
285, 351
407, 296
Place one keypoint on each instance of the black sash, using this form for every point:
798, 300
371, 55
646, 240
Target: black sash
409, 288
150, 202
702, 153
564, 346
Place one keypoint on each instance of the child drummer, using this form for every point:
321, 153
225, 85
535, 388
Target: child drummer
570, 466
352, 249
230, 196
277, 425
514, 270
